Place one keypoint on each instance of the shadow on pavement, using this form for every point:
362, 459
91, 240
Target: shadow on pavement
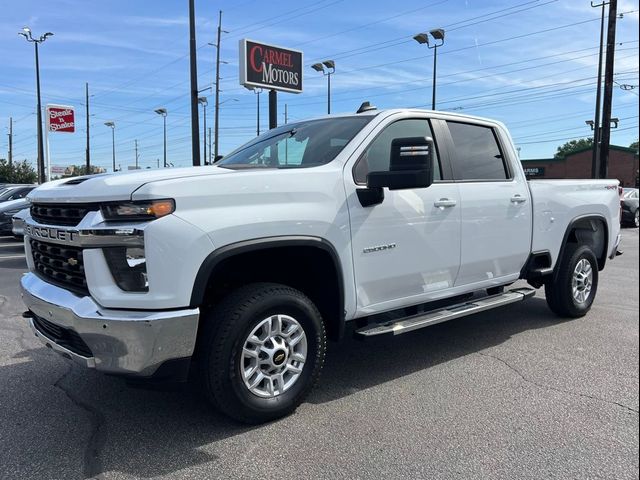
148, 433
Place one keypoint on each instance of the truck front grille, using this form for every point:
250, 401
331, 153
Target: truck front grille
65, 337
61, 265
61, 214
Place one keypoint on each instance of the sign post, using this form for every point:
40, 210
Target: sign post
270, 67
60, 119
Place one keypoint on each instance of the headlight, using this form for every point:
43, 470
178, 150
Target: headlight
128, 266
140, 210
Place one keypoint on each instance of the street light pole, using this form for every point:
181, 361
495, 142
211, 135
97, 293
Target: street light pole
203, 101
435, 68
112, 125
331, 68
257, 91
423, 38
163, 112
26, 33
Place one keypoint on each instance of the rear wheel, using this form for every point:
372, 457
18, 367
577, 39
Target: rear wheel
264, 348
572, 292
636, 218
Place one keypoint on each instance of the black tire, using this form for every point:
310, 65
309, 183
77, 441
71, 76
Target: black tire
226, 328
636, 219
559, 292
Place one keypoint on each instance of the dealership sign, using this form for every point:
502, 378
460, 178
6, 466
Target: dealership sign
60, 118
534, 171
270, 67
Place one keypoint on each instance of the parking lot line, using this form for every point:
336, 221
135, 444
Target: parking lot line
9, 257
12, 245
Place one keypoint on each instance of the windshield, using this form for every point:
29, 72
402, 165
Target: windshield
5, 193
297, 145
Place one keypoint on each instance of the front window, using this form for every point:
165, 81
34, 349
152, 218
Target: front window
297, 145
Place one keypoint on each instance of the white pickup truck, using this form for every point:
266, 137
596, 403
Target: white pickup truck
239, 271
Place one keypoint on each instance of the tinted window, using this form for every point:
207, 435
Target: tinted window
296, 145
476, 154
7, 194
377, 155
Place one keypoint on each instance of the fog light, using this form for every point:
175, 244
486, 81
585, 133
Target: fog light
128, 267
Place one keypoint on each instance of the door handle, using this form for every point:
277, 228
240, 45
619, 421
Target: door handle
444, 203
518, 199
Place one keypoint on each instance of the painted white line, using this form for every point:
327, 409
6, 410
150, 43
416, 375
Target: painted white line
9, 257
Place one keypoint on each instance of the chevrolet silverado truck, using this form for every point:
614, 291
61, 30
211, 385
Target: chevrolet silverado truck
374, 223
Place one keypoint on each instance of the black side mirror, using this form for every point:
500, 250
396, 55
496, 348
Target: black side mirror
410, 165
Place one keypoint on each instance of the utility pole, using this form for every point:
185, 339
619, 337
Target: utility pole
10, 140
608, 89
217, 104
209, 159
136, 142
88, 154
195, 125
595, 157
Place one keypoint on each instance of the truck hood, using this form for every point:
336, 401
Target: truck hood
112, 186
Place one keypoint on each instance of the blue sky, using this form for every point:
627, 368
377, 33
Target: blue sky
531, 64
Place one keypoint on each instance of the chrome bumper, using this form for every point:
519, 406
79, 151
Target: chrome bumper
122, 342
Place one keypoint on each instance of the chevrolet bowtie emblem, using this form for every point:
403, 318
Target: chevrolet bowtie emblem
72, 261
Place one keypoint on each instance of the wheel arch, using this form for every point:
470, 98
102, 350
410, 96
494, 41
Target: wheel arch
591, 230
324, 284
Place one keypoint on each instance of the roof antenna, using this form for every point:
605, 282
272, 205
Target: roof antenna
365, 107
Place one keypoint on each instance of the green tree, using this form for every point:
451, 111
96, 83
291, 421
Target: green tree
634, 145
17, 172
573, 146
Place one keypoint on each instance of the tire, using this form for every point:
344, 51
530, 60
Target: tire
561, 297
636, 218
289, 326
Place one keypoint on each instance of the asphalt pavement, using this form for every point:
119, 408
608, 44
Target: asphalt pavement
514, 393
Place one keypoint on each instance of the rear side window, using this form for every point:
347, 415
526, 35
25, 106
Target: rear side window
476, 155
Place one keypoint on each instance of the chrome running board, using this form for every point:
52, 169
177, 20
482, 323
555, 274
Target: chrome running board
421, 320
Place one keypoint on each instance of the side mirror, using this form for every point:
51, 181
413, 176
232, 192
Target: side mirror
410, 165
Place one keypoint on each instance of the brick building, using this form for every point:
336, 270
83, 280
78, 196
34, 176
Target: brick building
623, 165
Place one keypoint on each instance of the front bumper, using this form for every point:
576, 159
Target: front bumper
122, 342
17, 227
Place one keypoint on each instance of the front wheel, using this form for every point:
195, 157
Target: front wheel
264, 347
572, 292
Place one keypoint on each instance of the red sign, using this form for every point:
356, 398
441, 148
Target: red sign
60, 118
268, 66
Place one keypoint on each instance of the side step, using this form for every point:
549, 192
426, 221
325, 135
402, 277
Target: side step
426, 319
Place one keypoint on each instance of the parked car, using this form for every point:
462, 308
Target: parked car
18, 223
629, 204
7, 210
14, 192
238, 272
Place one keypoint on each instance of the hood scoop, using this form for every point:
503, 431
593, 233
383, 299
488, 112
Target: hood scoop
78, 180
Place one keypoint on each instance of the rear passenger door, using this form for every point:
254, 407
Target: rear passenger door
496, 205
